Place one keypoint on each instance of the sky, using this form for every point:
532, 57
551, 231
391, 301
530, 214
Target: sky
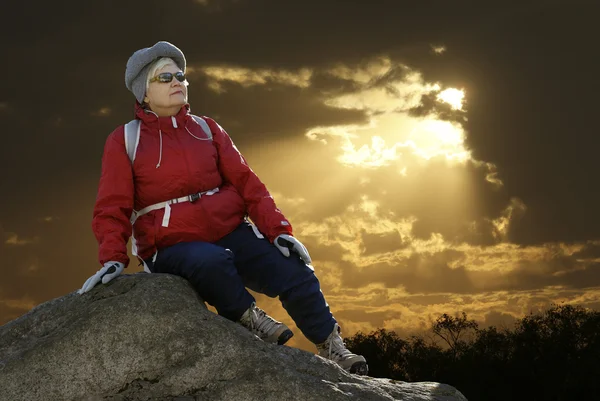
434, 156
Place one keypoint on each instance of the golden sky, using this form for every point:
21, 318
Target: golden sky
429, 164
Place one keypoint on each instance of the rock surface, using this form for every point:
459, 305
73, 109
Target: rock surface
150, 337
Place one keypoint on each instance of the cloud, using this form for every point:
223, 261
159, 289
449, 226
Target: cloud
365, 245
589, 251
390, 87
498, 319
381, 242
247, 77
438, 49
381, 90
286, 109
446, 105
363, 315
417, 273
387, 92
373, 306
49, 219
13, 239
368, 72
102, 112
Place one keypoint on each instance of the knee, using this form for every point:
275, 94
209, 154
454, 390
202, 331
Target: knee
212, 256
206, 257
217, 258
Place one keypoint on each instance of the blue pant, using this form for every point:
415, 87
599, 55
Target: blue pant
220, 273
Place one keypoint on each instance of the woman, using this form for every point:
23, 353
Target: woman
189, 196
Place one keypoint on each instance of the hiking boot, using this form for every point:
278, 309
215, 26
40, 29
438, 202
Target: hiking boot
264, 326
334, 349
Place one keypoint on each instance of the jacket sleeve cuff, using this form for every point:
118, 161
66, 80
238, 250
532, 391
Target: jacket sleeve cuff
272, 237
124, 260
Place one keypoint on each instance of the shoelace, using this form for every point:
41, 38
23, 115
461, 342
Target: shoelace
263, 322
337, 346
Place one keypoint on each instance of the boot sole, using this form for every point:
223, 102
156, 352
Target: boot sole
284, 337
360, 368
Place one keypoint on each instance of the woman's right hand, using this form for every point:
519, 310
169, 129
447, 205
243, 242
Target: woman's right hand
109, 271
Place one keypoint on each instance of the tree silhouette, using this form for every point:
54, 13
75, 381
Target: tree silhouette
450, 329
551, 356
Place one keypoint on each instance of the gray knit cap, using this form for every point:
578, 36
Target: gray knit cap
138, 65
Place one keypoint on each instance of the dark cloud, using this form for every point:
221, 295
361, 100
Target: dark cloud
419, 273
498, 319
432, 273
360, 315
589, 251
479, 232
270, 111
552, 270
431, 106
425, 300
382, 243
321, 253
585, 277
332, 85
531, 97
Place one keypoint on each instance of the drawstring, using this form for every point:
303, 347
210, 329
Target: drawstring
160, 149
200, 139
160, 136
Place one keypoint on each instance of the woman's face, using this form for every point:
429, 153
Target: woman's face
166, 98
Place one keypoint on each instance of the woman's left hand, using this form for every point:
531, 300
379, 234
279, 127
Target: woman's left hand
109, 271
285, 243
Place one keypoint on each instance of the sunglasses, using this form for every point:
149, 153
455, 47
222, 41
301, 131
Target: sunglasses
168, 77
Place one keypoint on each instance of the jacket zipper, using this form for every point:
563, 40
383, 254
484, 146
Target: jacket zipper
185, 157
199, 206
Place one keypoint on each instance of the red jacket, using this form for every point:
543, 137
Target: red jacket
171, 163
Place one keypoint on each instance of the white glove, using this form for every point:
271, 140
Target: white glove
285, 243
107, 273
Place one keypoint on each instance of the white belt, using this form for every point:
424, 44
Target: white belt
167, 205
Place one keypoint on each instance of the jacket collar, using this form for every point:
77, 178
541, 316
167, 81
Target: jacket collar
152, 120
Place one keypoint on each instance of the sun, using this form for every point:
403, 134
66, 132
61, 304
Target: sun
435, 138
454, 97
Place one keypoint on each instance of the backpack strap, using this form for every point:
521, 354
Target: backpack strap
132, 138
202, 122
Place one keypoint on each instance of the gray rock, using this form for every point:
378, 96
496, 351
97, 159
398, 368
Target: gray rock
150, 337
